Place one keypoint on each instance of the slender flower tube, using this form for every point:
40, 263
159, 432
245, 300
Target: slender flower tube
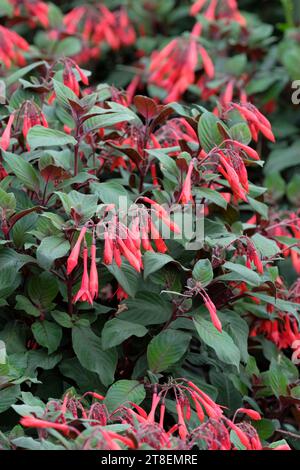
73, 258
5, 139
186, 193
84, 293
93, 281
31, 422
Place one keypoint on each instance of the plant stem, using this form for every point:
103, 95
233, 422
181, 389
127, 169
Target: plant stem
288, 7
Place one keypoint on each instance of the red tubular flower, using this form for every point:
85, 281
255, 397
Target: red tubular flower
197, 7
282, 447
124, 28
174, 67
186, 193
199, 409
240, 434
5, 139
117, 256
187, 413
217, 409
213, 313
162, 414
210, 13
227, 96
252, 255
69, 76
249, 151
139, 409
145, 239
251, 413
93, 281
83, 295
95, 395
73, 257
182, 429
231, 176
109, 441
11, 45
131, 258
207, 62
258, 122
3, 174
218, 9
31, 422
108, 249
163, 215
155, 402
29, 115
155, 236
34, 10
121, 294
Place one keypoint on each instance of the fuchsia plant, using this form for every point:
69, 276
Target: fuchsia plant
149, 227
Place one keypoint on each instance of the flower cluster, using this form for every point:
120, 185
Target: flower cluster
12, 48
174, 66
148, 430
226, 10
97, 26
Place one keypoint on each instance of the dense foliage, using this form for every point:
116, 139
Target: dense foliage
149, 242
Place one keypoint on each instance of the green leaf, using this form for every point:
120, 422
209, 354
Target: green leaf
280, 304
47, 334
42, 289
295, 391
212, 196
203, 272
8, 396
27, 443
9, 280
64, 94
85, 379
84, 205
88, 349
147, 308
23, 303
293, 190
50, 249
127, 277
122, 392
2, 352
167, 164
276, 185
107, 119
20, 72
239, 331
259, 207
39, 136
236, 65
68, 47
166, 349
265, 246
154, 262
276, 380
116, 331
265, 428
221, 343
208, 131
7, 202
244, 274
241, 133
283, 158
62, 318
228, 395
110, 193
22, 170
